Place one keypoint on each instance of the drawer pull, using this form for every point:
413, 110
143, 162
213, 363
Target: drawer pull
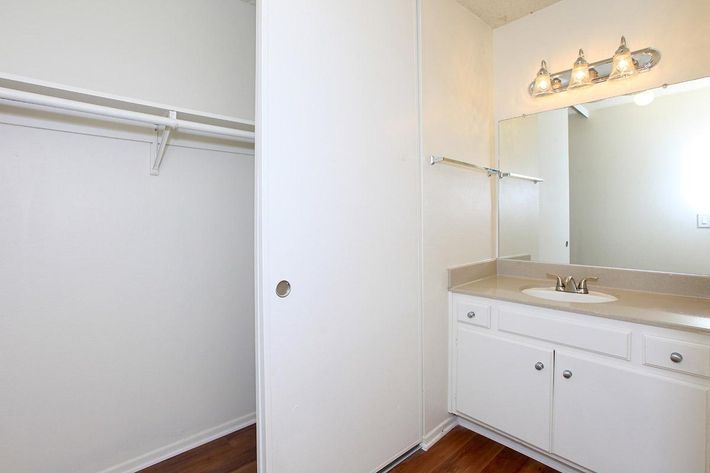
676, 357
471, 315
567, 374
539, 366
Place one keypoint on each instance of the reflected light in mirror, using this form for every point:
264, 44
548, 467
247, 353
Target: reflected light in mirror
644, 98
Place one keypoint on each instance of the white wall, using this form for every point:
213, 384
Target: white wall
638, 179
126, 301
186, 53
677, 28
534, 218
458, 205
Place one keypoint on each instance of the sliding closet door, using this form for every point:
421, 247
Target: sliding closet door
338, 207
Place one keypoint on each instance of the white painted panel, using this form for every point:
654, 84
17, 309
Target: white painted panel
497, 384
126, 301
695, 358
473, 313
593, 337
615, 420
338, 158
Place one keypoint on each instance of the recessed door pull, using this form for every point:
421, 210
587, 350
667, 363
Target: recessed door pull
283, 288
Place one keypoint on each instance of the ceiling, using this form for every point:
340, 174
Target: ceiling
499, 12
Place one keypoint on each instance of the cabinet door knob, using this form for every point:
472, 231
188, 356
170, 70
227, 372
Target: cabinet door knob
471, 315
676, 357
539, 366
567, 374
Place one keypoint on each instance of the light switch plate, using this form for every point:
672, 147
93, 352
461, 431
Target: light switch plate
703, 220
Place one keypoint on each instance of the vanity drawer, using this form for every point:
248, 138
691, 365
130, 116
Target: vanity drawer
677, 355
473, 313
544, 326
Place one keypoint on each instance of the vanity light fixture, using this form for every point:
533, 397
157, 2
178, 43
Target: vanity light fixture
623, 64
580, 73
543, 83
556, 84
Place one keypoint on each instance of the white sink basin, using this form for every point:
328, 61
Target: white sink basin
550, 294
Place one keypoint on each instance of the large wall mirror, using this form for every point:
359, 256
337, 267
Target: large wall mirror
626, 182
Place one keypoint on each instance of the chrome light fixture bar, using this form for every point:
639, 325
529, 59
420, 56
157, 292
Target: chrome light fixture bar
622, 65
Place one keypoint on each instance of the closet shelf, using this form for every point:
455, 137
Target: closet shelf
21, 91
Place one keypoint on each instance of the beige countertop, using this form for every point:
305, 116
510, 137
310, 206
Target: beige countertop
662, 310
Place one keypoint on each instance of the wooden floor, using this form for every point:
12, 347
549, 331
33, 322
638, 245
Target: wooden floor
460, 451
463, 451
233, 453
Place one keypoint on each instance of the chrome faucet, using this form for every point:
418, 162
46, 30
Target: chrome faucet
569, 284
582, 289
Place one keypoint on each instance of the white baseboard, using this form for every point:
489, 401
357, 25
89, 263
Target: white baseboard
519, 447
163, 453
438, 432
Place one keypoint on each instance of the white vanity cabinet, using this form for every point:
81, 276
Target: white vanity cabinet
522, 375
613, 419
604, 403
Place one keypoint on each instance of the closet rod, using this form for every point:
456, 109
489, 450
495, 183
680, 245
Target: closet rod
117, 113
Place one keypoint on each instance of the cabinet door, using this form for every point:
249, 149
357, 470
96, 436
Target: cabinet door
498, 383
615, 420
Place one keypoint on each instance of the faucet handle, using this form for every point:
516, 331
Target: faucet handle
583, 284
559, 285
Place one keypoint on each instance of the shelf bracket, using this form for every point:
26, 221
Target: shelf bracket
161, 142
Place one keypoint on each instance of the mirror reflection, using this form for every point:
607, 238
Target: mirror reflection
626, 182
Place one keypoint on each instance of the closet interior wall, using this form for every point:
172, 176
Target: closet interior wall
126, 300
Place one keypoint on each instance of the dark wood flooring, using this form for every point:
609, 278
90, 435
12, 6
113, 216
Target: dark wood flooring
463, 451
460, 451
233, 453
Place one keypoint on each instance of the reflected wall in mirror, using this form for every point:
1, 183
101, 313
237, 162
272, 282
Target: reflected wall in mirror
626, 182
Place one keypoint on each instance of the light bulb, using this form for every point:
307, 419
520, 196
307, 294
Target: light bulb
543, 83
622, 63
580, 76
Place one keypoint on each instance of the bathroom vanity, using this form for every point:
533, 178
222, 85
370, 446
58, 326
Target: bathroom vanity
614, 378
614, 387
